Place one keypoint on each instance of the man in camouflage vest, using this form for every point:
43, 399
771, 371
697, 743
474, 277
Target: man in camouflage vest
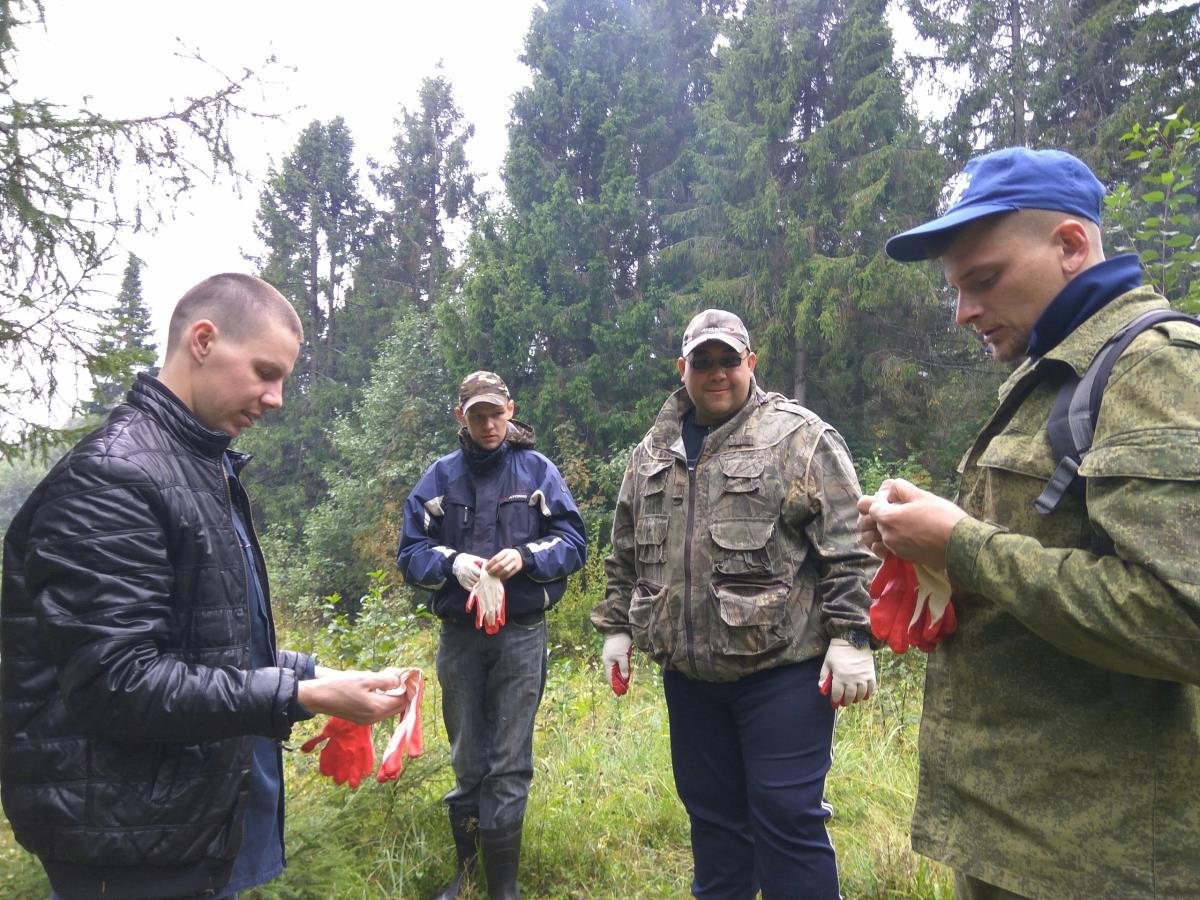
735, 565
1060, 738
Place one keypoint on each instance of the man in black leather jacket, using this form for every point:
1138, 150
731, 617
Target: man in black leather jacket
142, 699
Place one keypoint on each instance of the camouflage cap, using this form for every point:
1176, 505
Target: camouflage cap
482, 387
715, 325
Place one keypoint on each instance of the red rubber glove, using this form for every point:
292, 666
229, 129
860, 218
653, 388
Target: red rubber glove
911, 606
349, 755
935, 620
487, 600
406, 739
894, 593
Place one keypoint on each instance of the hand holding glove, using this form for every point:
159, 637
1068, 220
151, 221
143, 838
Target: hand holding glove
349, 755
618, 649
466, 569
848, 673
406, 739
487, 601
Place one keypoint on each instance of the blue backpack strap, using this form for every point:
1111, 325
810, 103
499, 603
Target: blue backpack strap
1072, 423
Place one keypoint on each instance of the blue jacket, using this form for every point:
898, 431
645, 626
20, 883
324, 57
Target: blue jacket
481, 503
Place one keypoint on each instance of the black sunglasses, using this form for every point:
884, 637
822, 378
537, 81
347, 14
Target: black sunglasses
704, 363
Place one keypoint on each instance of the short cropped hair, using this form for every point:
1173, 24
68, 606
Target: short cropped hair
236, 304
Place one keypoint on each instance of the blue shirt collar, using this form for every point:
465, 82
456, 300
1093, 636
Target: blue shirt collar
1083, 295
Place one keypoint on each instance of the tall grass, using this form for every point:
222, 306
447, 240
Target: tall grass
603, 818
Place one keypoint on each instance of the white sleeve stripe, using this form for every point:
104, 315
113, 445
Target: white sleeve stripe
539, 546
445, 551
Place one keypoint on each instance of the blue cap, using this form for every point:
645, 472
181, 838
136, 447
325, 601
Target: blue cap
1003, 181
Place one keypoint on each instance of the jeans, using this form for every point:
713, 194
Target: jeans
491, 689
750, 758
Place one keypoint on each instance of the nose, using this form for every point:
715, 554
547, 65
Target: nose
965, 309
272, 398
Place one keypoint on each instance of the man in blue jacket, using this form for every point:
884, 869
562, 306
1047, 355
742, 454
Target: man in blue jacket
498, 506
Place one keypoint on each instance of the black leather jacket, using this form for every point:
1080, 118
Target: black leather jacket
125, 681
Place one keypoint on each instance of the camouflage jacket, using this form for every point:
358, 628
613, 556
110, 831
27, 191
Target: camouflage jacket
748, 562
1060, 739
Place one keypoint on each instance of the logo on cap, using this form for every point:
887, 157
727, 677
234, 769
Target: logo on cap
715, 325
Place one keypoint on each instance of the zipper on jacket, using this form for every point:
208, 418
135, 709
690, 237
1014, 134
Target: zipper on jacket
687, 568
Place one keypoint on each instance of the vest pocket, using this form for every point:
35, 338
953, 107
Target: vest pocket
742, 546
650, 535
753, 617
650, 627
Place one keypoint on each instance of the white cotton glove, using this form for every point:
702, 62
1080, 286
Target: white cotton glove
487, 600
466, 569
618, 648
848, 673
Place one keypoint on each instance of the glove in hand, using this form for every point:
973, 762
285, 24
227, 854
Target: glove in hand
349, 755
406, 739
911, 606
466, 569
848, 673
935, 619
487, 600
618, 650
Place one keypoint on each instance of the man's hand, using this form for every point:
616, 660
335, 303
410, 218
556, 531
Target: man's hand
505, 564
356, 697
466, 569
909, 522
848, 673
618, 647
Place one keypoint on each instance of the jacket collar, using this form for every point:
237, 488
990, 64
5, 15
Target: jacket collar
1078, 348
667, 431
152, 397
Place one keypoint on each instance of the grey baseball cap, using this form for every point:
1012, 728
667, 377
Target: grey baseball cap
715, 325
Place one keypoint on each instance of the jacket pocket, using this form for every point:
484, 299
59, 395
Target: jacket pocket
742, 546
650, 535
519, 522
754, 617
648, 621
653, 476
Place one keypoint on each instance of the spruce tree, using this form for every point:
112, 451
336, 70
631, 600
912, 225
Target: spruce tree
125, 346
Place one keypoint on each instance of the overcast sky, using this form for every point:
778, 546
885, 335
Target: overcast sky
360, 59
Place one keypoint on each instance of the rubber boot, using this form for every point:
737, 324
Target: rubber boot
465, 828
501, 856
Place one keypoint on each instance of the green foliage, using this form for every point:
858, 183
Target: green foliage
402, 423
60, 220
125, 347
1158, 217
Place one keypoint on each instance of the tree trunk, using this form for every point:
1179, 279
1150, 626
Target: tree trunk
1018, 80
800, 374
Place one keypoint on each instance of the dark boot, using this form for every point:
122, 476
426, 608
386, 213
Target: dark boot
501, 854
465, 828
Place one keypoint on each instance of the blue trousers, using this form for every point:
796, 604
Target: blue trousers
750, 758
491, 689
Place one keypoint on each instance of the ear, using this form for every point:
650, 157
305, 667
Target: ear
681, 364
201, 337
512, 408
751, 359
1075, 246
458, 414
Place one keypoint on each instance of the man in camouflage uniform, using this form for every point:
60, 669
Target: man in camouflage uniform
736, 567
1060, 739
